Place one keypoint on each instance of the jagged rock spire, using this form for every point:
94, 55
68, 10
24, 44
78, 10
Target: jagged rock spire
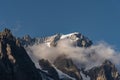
15, 64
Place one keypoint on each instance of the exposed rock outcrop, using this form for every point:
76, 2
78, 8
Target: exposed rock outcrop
68, 67
15, 63
107, 71
47, 66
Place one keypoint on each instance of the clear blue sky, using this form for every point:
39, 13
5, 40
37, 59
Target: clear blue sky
97, 19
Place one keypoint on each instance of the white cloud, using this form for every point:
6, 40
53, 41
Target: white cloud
89, 57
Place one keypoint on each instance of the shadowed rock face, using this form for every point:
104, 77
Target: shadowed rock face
67, 66
15, 64
47, 66
106, 71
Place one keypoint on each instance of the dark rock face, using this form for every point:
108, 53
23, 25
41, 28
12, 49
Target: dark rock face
68, 67
15, 64
83, 41
27, 40
46, 66
106, 71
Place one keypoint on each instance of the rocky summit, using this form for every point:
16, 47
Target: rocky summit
17, 64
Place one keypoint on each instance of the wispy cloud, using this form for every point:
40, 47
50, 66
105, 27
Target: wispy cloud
2, 24
88, 57
16, 27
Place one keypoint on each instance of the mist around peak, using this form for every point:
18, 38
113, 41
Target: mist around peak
88, 58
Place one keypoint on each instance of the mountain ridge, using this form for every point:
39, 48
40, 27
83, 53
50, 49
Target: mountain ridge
52, 40
16, 63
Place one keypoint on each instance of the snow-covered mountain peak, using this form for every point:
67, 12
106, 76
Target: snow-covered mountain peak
73, 36
77, 38
56, 37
